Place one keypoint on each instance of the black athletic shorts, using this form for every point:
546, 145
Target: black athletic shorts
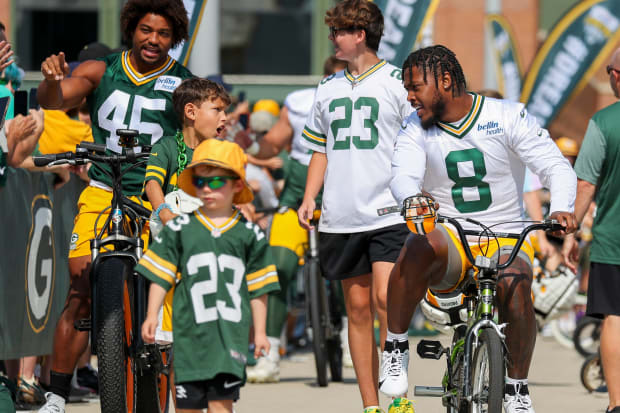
350, 255
196, 394
603, 290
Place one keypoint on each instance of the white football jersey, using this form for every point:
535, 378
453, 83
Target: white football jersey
475, 169
355, 121
299, 105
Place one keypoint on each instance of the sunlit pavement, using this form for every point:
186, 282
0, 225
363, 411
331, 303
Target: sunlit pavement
554, 385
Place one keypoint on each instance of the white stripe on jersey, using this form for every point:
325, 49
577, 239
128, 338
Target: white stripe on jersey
476, 169
355, 122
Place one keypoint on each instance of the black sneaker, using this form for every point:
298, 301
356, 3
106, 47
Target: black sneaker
614, 410
87, 377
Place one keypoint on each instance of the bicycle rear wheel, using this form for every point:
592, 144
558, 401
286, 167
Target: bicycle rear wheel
488, 369
114, 334
591, 374
315, 290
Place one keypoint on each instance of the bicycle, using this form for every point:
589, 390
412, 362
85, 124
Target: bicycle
133, 376
323, 312
476, 359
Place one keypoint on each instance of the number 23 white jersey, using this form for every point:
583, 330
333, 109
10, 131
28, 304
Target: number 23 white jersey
476, 168
354, 121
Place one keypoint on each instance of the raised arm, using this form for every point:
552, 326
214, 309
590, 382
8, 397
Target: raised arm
278, 137
57, 91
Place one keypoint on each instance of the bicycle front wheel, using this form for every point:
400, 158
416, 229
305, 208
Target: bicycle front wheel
488, 369
587, 336
114, 322
315, 290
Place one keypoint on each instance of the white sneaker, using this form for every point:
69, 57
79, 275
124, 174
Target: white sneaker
393, 380
347, 361
265, 371
54, 404
517, 399
267, 368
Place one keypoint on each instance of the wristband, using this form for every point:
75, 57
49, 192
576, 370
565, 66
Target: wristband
253, 148
160, 207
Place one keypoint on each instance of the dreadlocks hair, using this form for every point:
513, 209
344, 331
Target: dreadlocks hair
438, 60
172, 10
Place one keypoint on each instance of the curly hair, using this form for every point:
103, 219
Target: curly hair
360, 14
197, 90
438, 60
172, 10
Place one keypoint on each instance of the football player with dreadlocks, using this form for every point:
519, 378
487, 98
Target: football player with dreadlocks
469, 152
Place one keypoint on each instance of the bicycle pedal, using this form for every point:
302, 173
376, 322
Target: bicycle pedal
82, 325
430, 349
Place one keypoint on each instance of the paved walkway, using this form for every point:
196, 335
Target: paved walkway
554, 385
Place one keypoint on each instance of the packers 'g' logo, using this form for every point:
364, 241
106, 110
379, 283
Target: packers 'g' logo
40, 266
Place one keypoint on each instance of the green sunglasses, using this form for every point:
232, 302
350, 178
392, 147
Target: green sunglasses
213, 182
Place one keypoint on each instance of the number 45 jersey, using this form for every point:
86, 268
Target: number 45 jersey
216, 271
126, 99
475, 167
354, 121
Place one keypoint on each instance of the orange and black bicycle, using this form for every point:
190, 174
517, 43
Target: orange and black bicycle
133, 376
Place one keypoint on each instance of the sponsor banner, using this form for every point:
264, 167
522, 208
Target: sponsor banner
506, 57
403, 23
194, 8
36, 224
578, 45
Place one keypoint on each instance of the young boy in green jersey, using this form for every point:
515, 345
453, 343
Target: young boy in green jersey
221, 267
201, 107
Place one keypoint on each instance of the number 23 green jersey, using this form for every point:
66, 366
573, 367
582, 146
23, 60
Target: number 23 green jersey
217, 271
126, 99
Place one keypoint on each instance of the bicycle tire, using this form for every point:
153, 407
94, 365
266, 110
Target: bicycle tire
489, 357
334, 343
315, 288
587, 336
334, 357
591, 374
117, 372
149, 397
562, 336
457, 373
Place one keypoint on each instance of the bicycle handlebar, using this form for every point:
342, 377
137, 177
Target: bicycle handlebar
548, 225
88, 151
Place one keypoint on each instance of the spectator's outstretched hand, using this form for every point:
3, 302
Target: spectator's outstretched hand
55, 68
5, 54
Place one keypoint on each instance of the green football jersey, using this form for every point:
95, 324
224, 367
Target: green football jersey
163, 165
216, 271
126, 99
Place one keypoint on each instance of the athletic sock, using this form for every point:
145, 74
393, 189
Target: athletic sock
397, 337
369, 408
60, 384
514, 386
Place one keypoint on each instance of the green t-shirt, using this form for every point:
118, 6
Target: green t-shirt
217, 271
126, 99
599, 163
163, 165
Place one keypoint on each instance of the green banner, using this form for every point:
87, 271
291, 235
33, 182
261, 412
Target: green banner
194, 8
506, 57
578, 45
403, 20
36, 224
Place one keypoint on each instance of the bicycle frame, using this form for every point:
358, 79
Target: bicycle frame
479, 298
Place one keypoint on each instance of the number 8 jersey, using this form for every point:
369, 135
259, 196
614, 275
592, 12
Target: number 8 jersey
216, 271
475, 167
354, 121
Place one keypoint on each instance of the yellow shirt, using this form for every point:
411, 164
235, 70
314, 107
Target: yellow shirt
61, 133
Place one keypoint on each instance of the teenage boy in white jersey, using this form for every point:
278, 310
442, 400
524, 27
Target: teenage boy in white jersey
469, 153
352, 129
